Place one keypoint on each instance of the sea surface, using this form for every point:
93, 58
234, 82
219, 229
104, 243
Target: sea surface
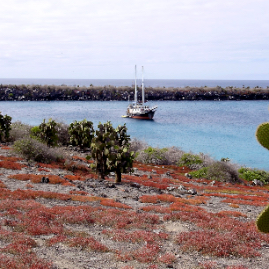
219, 128
129, 82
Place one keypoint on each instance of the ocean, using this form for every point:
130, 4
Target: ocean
129, 82
220, 129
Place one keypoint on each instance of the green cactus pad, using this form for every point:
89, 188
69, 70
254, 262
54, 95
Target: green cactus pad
262, 134
262, 221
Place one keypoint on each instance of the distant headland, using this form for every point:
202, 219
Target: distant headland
124, 93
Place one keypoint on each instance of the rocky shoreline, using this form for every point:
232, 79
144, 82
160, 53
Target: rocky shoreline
112, 93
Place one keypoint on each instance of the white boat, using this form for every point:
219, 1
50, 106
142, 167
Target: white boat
138, 110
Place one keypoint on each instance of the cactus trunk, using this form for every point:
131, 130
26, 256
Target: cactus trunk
118, 176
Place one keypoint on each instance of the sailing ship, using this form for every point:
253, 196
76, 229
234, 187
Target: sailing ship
138, 110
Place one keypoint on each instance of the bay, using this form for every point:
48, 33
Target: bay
220, 129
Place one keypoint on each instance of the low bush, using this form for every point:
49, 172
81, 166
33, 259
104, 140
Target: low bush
219, 171
251, 174
190, 160
201, 173
32, 149
159, 156
63, 135
222, 171
19, 130
137, 145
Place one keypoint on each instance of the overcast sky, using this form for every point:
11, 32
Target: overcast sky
172, 39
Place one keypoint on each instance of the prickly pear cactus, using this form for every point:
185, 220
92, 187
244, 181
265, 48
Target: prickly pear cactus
48, 132
262, 134
110, 150
81, 133
5, 127
262, 221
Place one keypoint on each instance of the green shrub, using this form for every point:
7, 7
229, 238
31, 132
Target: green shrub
251, 174
152, 155
193, 161
34, 150
5, 127
35, 132
218, 171
201, 173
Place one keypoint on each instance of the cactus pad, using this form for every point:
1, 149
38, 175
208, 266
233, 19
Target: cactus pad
262, 134
262, 221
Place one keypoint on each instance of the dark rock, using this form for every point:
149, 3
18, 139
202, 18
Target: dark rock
45, 180
135, 185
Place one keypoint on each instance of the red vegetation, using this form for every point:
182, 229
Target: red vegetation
11, 165
2, 185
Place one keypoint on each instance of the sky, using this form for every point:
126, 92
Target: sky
105, 39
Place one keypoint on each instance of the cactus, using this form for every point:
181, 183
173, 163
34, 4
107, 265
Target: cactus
81, 133
48, 132
120, 158
110, 150
5, 127
262, 134
263, 221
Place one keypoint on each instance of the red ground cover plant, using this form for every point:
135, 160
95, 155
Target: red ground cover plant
5, 147
73, 177
157, 209
10, 159
2, 185
52, 165
43, 170
24, 261
135, 236
37, 178
244, 202
113, 203
11, 165
79, 192
88, 243
148, 253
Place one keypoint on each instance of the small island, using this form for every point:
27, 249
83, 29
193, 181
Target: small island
125, 93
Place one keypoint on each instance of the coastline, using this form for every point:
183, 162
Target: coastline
125, 93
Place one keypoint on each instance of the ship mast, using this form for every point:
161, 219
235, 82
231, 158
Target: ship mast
143, 88
135, 97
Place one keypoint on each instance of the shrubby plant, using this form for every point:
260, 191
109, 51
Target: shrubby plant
152, 155
19, 130
63, 134
218, 171
137, 145
193, 161
251, 174
5, 127
31, 149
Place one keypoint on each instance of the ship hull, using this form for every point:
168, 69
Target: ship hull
146, 116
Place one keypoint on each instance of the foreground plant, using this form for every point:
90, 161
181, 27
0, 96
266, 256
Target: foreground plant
110, 150
5, 127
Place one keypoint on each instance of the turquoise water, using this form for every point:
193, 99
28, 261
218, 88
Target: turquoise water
220, 129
